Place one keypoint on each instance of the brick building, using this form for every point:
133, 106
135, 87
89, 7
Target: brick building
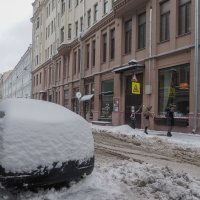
104, 49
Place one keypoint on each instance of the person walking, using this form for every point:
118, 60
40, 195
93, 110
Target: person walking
170, 118
146, 115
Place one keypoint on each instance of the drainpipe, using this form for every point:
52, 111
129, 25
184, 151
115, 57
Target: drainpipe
196, 60
81, 54
150, 50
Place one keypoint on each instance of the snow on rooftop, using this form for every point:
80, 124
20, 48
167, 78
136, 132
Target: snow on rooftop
34, 133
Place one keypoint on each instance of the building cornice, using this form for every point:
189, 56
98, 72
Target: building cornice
41, 66
103, 22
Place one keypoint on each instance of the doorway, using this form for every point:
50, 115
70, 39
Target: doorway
135, 100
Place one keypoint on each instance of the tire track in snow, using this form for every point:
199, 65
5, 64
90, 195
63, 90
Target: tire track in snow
158, 153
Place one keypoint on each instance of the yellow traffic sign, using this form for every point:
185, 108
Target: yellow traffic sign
135, 88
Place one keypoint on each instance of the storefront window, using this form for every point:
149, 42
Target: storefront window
107, 98
174, 88
75, 102
66, 98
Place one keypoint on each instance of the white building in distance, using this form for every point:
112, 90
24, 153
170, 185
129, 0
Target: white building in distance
18, 84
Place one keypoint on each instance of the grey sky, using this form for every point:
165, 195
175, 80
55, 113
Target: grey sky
15, 31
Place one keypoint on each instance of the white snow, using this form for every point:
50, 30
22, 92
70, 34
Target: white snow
36, 133
113, 179
127, 180
185, 139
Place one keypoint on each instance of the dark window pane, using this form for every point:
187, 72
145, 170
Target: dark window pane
104, 47
164, 21
174, 88
128, 36
142, 31
112, 44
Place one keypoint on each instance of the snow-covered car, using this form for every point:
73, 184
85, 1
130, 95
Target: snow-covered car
42, 144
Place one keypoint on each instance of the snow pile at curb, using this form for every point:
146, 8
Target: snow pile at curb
157, 183
126, 132
126, 180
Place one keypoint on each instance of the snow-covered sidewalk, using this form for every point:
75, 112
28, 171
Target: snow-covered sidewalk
190, 140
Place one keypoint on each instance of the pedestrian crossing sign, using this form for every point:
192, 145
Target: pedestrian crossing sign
135, 88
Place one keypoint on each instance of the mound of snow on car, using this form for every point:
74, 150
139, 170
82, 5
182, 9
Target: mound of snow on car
36, 133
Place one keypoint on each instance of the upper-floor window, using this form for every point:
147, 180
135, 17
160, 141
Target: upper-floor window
37, 23
53, 4
40, 77
87, 55
70, 4
62, 7
128, 36
62, 34
81, 24
37, 79
36, 60
112, 44
184, 16
51, 26
76, 2
79, 59
47, 11
69, 31
104, 47
76, 28
164, 20
49, 8
89, 17
49, 30
105, 6
95, 12
75, 62
141, 31
93, 52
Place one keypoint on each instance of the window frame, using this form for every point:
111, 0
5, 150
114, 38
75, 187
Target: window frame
112, 43
104, 47
141, 31
164, 22
186, 6
128, 36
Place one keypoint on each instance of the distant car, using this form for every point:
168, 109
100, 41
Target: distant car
42, 144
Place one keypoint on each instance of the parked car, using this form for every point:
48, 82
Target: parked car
42, 144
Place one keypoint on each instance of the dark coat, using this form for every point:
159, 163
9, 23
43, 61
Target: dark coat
170, 117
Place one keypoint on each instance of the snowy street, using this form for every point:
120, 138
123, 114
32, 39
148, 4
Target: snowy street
131, 165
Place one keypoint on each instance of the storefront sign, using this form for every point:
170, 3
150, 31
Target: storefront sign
116, 104
135, 88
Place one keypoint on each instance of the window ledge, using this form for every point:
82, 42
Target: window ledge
162, 42
141, 49
126, 54
182, 35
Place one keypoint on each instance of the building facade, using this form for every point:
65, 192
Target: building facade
120, 55
18, 84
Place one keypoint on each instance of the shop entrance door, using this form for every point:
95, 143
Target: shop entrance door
135, 100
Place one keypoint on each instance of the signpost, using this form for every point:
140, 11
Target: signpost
78, 96
135, 85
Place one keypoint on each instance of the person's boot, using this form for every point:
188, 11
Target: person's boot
145, 130
169, 134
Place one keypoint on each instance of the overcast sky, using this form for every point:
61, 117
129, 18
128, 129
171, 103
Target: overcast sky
15, 31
